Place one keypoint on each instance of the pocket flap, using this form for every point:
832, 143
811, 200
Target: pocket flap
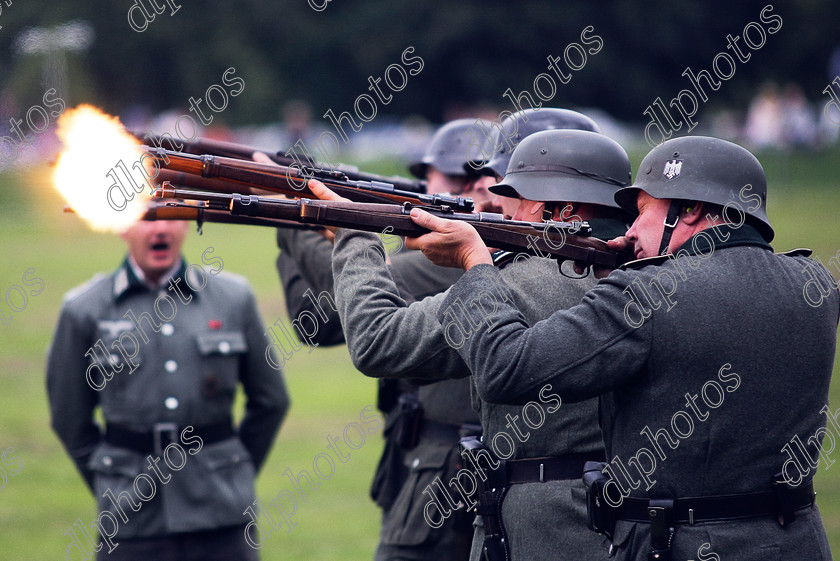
227, 453
112, 460
223, 343
428, 455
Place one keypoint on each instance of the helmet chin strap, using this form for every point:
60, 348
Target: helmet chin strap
548, 212
550, 207
670, 223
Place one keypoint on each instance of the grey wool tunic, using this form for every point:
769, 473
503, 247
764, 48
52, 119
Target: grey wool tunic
305, 264
385, 334
707, 366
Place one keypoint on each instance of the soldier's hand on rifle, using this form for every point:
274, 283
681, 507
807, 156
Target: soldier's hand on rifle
325, 194
450, 243
262, 158
619, 244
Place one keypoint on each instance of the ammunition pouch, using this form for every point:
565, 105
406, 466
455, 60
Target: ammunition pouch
390, 473
410, 418
788, 500
662, 529
600, 517
492, 490
388, 394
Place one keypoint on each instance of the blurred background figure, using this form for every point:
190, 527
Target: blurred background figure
763, 128
799, 124
297, 117
165, 383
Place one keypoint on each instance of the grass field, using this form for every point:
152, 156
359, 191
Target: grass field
337, 522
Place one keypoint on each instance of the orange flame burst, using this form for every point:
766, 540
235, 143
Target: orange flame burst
91, 170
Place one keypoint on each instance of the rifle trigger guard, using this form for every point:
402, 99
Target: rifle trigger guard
587, 263
582, 275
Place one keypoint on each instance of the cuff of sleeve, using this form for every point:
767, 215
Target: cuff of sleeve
345, 235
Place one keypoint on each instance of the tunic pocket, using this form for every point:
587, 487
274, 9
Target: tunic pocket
405, 523
115, 470
215, 487
220, 355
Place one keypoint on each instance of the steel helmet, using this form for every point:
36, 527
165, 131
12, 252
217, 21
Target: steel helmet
447, 149
705, 169
566, 165
496, 149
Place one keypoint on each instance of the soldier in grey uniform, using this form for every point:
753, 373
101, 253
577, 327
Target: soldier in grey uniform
701, 383
541, 497
160, 347
422, 425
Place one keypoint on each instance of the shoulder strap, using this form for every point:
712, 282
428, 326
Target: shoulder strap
803, 251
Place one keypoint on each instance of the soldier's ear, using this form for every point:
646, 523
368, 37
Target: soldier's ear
691, 213
565, 211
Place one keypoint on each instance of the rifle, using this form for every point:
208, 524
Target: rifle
286, 180
310, 167
559, 240
159, 210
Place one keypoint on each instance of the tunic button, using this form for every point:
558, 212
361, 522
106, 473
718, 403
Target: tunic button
224, 347
107, 461
415, 463
167, 329
170, 366
171, 403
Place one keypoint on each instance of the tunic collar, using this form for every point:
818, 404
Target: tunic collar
719, 237
127, 280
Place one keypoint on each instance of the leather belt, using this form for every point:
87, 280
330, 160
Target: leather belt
163, 434
723, 507
554, 468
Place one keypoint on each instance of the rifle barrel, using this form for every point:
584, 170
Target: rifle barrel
289, 180
181, 210
560, 240
313, 168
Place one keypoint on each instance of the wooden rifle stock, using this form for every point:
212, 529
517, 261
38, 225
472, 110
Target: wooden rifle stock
288, 180
157, 210
311, 167
559, 240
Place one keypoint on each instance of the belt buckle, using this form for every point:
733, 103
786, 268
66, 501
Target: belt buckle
158, 429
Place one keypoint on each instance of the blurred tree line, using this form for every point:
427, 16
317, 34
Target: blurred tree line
473, 51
